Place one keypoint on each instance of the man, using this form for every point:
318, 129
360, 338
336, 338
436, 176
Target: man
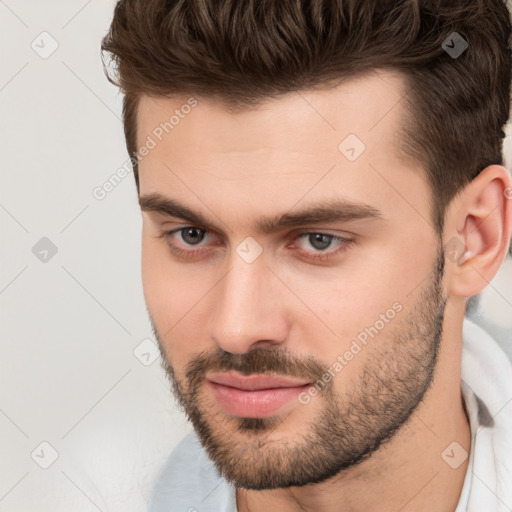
322, 189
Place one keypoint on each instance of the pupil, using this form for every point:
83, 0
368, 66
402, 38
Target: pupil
319, 241
192, 235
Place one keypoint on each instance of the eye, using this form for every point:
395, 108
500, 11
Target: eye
319, 241
182, 241
321, 247
192, 235
193, 242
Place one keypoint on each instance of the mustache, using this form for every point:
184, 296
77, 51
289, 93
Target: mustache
257, 361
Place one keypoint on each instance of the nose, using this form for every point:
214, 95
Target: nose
249, 308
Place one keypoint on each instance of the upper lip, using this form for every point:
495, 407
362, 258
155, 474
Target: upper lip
254, 382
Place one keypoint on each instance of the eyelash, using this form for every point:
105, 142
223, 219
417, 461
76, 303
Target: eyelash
325, 255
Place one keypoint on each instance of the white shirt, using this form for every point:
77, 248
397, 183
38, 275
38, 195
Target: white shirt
188, 481
487, 390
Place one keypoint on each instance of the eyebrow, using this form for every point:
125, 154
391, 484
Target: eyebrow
331, 210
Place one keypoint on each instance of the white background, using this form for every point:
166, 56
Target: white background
69, 326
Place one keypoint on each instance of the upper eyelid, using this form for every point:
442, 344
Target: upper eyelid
296, 232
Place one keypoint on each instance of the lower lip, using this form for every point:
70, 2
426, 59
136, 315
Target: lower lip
254, 404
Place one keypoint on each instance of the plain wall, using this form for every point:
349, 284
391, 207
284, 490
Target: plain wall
69, 326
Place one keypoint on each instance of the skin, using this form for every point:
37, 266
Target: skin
236, 167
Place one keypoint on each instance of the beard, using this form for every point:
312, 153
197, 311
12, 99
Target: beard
349, 426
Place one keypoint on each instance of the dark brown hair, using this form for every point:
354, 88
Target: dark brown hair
243, 52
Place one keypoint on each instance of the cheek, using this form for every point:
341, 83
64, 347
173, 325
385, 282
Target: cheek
363, 293
155, 278
173, 295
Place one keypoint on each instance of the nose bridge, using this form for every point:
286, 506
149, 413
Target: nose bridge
244, 309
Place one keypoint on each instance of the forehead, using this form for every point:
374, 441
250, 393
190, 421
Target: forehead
364, 105
342, 141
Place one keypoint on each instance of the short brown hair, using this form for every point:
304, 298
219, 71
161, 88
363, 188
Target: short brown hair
243, 52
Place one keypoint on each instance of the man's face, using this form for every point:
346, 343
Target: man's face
345, 304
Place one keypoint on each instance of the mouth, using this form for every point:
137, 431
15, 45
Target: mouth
254, 396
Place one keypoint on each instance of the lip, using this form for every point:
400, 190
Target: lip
254, 382
254, 396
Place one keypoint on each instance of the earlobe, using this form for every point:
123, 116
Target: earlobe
477, 234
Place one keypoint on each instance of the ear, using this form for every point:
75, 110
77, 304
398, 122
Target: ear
478, 226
